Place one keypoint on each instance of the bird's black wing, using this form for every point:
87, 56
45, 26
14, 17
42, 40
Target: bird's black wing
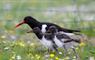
60, 28
68, 30
66, 38
62, 36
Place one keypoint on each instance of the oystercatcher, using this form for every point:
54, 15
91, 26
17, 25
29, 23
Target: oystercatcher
45, 38
63, 40
32, 22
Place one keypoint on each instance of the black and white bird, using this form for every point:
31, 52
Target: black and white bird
32, 22
64, 41
45, 38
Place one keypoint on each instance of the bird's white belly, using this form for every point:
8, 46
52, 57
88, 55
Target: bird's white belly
46, 43
58, 42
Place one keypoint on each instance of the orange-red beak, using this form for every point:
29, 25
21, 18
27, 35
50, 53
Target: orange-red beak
23, 22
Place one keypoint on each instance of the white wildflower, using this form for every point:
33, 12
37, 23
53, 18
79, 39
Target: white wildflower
18, 57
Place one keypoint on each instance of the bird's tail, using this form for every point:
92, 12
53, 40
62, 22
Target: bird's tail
72, 40
70, 31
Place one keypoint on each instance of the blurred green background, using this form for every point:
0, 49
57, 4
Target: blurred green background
71, 14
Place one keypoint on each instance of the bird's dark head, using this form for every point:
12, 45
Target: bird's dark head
52, 29
27, 20
36, 30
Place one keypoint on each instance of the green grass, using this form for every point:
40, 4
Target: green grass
10, 51
12, 12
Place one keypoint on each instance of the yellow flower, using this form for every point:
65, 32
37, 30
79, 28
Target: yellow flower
77, 48
74, 57
66, 58
32, 44
56, 58
51, 55
82, 44
32, 57
13, 57
10, 59
37, 56
21, 44
4, 41
3, 36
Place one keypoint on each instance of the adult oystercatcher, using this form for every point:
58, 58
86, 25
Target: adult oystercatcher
32, 22
46, 39
63, 40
